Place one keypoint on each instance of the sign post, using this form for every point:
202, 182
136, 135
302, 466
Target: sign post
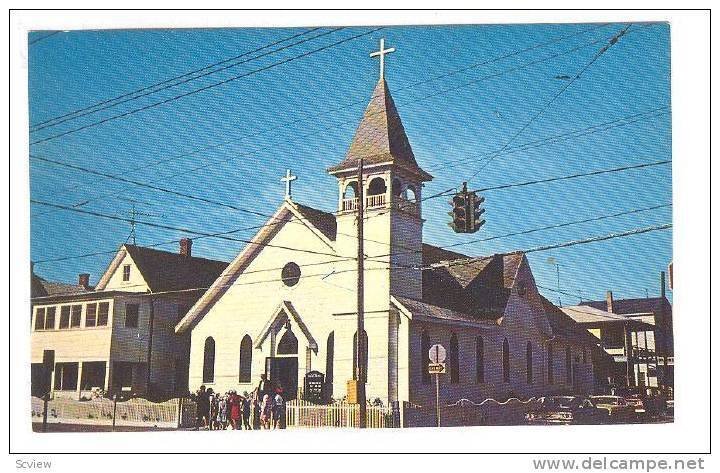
437, 356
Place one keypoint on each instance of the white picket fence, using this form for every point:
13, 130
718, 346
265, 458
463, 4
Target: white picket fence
303, 414
135, 412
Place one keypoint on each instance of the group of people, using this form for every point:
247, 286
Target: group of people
264, 408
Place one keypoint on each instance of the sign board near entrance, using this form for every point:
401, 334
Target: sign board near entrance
436, 368
313, 388
437, 353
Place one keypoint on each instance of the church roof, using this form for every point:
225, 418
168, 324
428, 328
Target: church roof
323, 221
424, 309
380, 138
169, 271
481, 287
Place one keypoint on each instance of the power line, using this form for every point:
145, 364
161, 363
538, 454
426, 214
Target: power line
163, 85
560, 225
453, 263
172, 192
577, 133
472, 82
201, 89
42, 38
523, 232
574, 176
169, 227
559, 178
523, 147
538, 229
537, 115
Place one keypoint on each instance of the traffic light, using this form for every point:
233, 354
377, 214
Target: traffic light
461, 211
477, 211
466, 212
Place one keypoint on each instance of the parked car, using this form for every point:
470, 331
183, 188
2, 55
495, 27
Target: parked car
617, 407
637, 401
565, 410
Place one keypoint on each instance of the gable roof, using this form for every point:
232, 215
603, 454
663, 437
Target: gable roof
591, 315
481, 287
169, 271
316, 220
291, 313
323, 221
380, 137
40, 287
565, 327
646, 305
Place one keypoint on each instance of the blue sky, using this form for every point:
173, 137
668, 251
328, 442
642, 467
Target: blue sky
232, 143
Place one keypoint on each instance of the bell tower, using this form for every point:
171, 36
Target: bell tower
392, 187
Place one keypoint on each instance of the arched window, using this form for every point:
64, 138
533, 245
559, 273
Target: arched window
288, 344
506, 360
355, 355
351, 191
568, 365
245, 371
396, 187
330, 358
529, 362
425, 357
550, 365
209, 361
411, 194
377, 186
479, 360
454, 356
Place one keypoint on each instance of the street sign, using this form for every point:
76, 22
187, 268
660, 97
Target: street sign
437, 353
436, 368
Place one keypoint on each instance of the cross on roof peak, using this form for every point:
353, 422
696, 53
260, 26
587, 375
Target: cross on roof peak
288, 183
382, 52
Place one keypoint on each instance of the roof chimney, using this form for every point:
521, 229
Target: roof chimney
84, 280
186, 247
609, 300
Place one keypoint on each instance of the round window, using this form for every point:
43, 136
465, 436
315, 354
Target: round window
290, 274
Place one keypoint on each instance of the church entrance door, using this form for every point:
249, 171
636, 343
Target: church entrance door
283, 371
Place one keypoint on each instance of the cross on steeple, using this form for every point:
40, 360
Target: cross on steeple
382, 52
288, 183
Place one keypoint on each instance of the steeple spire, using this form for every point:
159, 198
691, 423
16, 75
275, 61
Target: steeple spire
380, 138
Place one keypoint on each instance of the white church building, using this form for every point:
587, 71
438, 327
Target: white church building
286, 305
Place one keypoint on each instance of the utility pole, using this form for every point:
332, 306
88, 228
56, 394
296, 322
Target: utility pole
360, 345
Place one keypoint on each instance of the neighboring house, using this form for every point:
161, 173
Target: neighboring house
625, 339
286, 305
656, 342
120, 335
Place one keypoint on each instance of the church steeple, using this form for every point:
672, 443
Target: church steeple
380, 138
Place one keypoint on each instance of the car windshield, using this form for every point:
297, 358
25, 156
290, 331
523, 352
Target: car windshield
561, 401
608, 400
